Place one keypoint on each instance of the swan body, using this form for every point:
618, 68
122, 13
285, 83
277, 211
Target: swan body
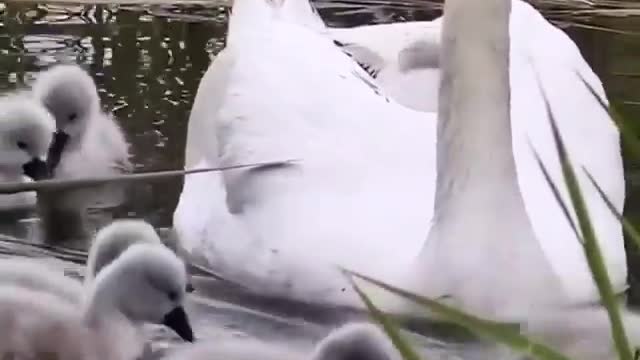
535, 74
25, 135
144, 285
88, 142
351, 341
276, 229
253, 226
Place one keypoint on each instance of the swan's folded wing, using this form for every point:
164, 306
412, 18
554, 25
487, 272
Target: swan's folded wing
547, 66
395, 55
366, 171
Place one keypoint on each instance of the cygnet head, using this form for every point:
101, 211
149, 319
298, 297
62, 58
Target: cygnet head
356, 341
115, 238
26, 130
145, 284
70, 95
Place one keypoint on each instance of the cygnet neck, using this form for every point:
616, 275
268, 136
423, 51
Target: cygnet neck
101, 303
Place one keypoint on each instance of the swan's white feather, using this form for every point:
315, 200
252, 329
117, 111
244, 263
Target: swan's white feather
281, 91
590, 135
266, 224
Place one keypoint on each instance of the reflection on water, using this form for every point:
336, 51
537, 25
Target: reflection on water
147, 61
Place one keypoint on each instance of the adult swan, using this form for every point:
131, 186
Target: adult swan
363, 193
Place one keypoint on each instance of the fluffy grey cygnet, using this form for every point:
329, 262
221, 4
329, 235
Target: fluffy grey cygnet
26, 130
87, 141
32, 274
115, 238
144, 285
356, 341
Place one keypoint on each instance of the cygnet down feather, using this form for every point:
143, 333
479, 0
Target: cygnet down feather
26, 130
145, 284
112, 240
87, 142
360, 341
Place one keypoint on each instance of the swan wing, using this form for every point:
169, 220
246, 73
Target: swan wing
363, 183
546, 66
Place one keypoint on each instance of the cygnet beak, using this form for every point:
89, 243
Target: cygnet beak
178, 320
60, 139
189, 288
36, 169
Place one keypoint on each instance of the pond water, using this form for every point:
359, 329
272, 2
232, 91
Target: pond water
147, 62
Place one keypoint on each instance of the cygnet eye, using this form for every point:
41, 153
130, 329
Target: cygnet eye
72, 117
173, 296
22, 145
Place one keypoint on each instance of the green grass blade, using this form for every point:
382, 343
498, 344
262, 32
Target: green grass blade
626, 224
556, 193
53, 184
500, 333
629, 139
590, 243
387, 325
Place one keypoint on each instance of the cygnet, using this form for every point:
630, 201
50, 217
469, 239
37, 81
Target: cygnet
145, 284
352, 341
87, 142
114, 239
32, 274
26, 130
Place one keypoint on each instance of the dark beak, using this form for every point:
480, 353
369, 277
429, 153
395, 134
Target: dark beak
178, 320
36, 169
60, 139
189, 288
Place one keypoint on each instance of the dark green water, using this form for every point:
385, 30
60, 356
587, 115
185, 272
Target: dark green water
147, 62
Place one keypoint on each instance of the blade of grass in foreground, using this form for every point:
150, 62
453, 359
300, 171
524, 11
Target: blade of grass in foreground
53, 184
556, 192
626, 225
590, 242
387, 325
628, 137
487, 329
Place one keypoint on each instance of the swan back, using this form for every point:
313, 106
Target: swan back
402, 57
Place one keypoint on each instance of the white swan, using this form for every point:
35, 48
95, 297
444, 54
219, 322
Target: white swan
259, 226
144, 285
366, 179
25, 135
87, 142
350, 341
539, 52
481, 244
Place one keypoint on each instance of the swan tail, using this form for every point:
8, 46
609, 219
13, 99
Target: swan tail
251, 14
